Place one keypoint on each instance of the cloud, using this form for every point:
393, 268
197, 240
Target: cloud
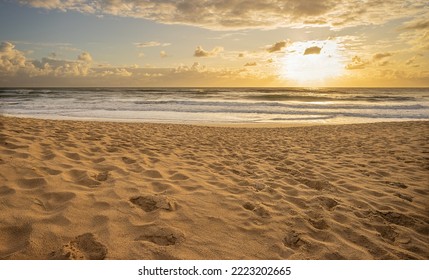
277, 46
85, 57
379, 56
410, 61
417, 24
416, 33
316, 22
200, 52
202, 75
413, 60
357, 63
6, 47
151, 44
312, 50
378, 59
196, 67
60, 68
13, 62
244, 14
250, 64
122, 72
17, 70
50, 4
163, 54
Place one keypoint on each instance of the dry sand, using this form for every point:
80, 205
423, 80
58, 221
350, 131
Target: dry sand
92, 190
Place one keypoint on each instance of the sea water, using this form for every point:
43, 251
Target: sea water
220, 105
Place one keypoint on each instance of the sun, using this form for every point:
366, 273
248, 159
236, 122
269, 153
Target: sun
312, 62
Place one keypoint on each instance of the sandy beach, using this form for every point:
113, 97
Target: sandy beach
105, 190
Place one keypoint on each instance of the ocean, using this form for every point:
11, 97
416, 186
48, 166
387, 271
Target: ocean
220, 105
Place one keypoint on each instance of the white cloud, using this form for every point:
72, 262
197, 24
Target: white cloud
85, 57
200, 52
151, 44
123, 72
417, 24
378, 59
18, 70
13, 61
357, 63
416, 32
244, 14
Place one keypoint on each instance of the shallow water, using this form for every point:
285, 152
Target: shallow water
220, 105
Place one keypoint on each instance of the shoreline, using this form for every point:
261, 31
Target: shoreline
112, 190
207, 124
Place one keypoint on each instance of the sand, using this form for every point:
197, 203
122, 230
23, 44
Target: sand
99, 190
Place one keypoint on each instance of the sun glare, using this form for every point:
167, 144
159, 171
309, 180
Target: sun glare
312, 62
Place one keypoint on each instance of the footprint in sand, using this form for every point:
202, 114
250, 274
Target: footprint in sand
73, 156
81, 177
151, 203
328, 203
404, 196
53, 201
318, 185
14, 239
257, 209
98, 160
249, 206
128, 160
293, 240
162, 236
32, 183
387, 232
179, 177
397, 218
102, 176
100, 220
257, 187
153, 174
51, 171
82, 247
48, 155
319, 223
4, 190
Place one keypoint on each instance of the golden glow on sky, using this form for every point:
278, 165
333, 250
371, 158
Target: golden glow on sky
312, 61
214, 43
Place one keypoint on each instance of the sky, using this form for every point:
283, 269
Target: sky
214, 43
